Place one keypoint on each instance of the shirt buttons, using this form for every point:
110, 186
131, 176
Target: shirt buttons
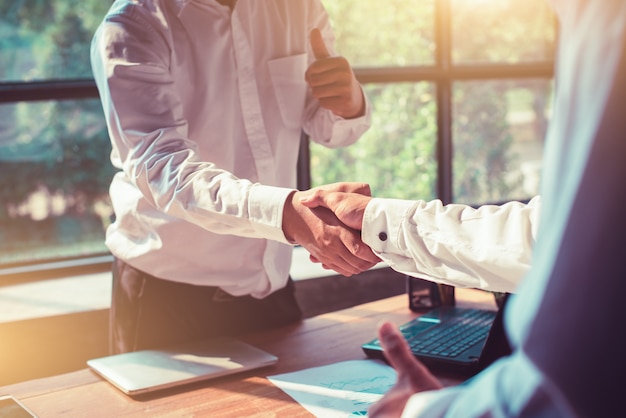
382, 236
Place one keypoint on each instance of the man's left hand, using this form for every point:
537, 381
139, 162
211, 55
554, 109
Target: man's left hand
332, 81
413, 376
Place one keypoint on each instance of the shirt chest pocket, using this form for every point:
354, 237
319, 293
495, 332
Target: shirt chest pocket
289, 87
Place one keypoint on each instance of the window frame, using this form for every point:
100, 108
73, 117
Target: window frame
443, 73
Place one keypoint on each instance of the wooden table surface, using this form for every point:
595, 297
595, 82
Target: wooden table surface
321, 340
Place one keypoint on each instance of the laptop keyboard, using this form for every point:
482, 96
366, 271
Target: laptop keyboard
454, 337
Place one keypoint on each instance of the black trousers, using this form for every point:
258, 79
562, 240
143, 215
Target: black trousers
147, 312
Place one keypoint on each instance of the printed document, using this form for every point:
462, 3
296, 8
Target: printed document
339, 390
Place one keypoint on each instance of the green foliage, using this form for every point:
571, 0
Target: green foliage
61, 150
67, 159
397, 156
504, 31
47, 39
481, 141
383, 33
57, 150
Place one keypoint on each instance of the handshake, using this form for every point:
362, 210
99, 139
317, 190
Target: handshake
327, 221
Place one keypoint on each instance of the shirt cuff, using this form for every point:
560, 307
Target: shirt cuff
265, 206
381, 224
367, 115
355, 127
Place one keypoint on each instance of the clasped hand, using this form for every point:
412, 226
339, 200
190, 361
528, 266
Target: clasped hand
335, 214
329, 241
343, 206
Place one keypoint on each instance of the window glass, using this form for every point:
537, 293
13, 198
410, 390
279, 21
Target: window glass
373, 33
502, 31
42, 40
54, 155
498, 134
54, 177
397, 156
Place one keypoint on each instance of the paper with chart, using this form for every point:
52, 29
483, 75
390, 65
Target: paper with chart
339, 390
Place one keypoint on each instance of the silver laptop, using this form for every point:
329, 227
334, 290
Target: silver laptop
150, 370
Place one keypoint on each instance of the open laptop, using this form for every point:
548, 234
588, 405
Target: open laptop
448, 338
146, 371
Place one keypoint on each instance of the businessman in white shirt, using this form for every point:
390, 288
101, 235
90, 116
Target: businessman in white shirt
205, 101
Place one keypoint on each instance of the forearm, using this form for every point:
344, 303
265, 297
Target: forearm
488, 248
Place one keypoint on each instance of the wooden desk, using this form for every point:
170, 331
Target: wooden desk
317, 341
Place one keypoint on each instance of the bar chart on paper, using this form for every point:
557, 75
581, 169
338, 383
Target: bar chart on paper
339, 390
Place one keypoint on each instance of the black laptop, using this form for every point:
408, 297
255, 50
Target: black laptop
449, 338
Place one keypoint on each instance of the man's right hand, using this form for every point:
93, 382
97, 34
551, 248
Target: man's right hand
347, 205
327, 239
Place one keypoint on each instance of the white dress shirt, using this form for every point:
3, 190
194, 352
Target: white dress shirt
205, 107
566, 321
488, 248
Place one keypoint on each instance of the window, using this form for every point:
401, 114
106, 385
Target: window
460, 91
54, 149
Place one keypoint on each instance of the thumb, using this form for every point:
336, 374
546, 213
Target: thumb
317, 44
315, 199
399, 355
352, 187
396, 349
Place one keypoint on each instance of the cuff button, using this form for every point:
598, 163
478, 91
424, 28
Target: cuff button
382, 236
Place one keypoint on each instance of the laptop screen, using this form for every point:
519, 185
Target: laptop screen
497, 344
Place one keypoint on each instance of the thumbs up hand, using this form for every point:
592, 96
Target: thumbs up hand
332, 81
317, 45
